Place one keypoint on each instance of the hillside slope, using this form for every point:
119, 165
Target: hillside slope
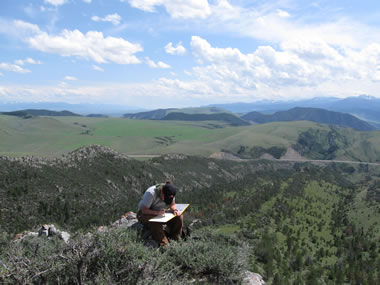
55, 136
149, 115
159, 114
364, 107
291, 222
40, 112
311, 114
224, 117
98, 183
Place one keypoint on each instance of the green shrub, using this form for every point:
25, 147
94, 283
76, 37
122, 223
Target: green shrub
120, 257
210, 254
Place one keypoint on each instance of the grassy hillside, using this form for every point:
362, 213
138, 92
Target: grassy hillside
54, 136
39, 112
311, 114
224, 117
161, 113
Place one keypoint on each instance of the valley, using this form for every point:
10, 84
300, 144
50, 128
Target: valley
55, 136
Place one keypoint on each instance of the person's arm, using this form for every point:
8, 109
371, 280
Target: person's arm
173, 208
147, 211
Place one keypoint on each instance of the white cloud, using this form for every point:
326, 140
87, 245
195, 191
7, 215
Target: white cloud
273, 23
87, 1
70, 78
13, 68
19, 27
27, 61
91, 46
282, 13
113, 18
185, 9
178, 50
303, 68
159, 64
55, 2
97, 68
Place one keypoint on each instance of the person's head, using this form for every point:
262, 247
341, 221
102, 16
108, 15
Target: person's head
169, 191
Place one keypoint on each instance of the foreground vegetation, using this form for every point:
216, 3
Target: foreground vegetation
305, 226
120, 257
294, 223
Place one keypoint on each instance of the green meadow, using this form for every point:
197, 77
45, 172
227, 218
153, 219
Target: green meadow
55, 136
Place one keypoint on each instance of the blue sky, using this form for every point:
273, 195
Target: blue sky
177, 53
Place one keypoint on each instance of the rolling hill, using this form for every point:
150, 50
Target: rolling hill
83, 109
224, 117
40, 112
159, 114
311, 114
364, 107
149, 115
55, 136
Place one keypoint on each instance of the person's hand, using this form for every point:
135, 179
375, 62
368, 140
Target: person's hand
175, 212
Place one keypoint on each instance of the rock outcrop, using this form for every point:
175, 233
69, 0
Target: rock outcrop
48, 231
253, 279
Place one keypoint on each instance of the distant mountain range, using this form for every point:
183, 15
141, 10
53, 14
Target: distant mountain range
364, 107
82, 109
364, 112
190, 114
159, 114
35, 112
149, 115
225, 117
311, 114
295, 114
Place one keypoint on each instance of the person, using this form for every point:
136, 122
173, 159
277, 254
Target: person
154, 202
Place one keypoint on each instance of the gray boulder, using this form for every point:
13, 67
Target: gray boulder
252, 279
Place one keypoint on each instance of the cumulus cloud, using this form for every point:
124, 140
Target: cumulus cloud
55, 2
294, 68
177, 50
185, 9
91, 46
13, 68
159, 64
25, 26
276, 22
27, 61
113, 18
70, 78
97, 68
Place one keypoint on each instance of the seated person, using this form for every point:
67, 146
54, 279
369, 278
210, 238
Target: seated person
156, 199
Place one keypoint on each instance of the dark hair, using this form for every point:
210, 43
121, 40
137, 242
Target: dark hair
169, 191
